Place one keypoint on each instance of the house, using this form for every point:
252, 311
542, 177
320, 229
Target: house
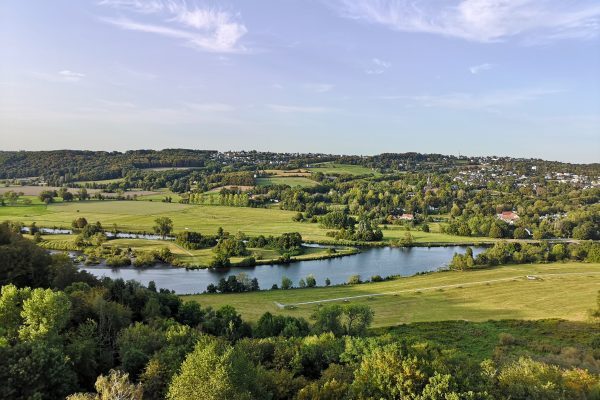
406, 217
508, 216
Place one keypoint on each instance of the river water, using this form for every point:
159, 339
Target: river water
385, 261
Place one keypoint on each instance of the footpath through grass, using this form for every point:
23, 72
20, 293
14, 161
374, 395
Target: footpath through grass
563, 290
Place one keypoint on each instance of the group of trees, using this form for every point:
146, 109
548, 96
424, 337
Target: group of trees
520, 253
286, 243
234, 284
194, 240
47, 196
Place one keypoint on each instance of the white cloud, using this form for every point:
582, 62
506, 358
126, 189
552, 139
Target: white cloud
61, 76
475, 69
473, 101
70, 76
482, 20
378, 66
297, 109
200, 27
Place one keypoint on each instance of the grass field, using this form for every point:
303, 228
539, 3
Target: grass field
288, 172
334, 168
560, 342
160, 195
139, 216
286, 180
564, 290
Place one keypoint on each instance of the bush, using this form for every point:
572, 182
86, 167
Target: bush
118, 261
219, 260
247, 262
144, 260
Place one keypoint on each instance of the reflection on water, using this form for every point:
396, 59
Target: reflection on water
384, 261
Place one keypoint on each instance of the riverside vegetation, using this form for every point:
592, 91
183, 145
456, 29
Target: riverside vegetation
113, 338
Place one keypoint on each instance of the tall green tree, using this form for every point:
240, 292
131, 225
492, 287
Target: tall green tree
214, 371
163, 226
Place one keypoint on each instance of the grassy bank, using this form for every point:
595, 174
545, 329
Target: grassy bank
564, 290
559, 342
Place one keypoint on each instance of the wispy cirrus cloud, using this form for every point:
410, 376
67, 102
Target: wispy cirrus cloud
61, 76
475, 69
535, 21
378, 67
477, 101
201, 27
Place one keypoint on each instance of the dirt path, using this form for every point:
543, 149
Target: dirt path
183, 249
279, 305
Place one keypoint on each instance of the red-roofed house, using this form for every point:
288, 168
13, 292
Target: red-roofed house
508, 216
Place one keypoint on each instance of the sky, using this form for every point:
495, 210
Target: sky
473, 77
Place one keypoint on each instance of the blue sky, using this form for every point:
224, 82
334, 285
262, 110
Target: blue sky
475, 77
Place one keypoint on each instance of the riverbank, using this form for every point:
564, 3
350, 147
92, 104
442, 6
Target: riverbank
194, 259
479, 295
374, 262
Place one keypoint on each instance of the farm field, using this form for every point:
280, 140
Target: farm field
286, 180
289, 172
36, 190
564, 290
237, 187
139, 216
334, 168
159, 195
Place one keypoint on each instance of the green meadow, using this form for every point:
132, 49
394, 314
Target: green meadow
286, 180
335, 168
562, 290
139, 216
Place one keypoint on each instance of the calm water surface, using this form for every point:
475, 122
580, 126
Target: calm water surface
384, 261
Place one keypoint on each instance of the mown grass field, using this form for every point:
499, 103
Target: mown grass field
160, 195
286, 180
139, 216
334, 168
565, 290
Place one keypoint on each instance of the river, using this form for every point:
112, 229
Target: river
384, 261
